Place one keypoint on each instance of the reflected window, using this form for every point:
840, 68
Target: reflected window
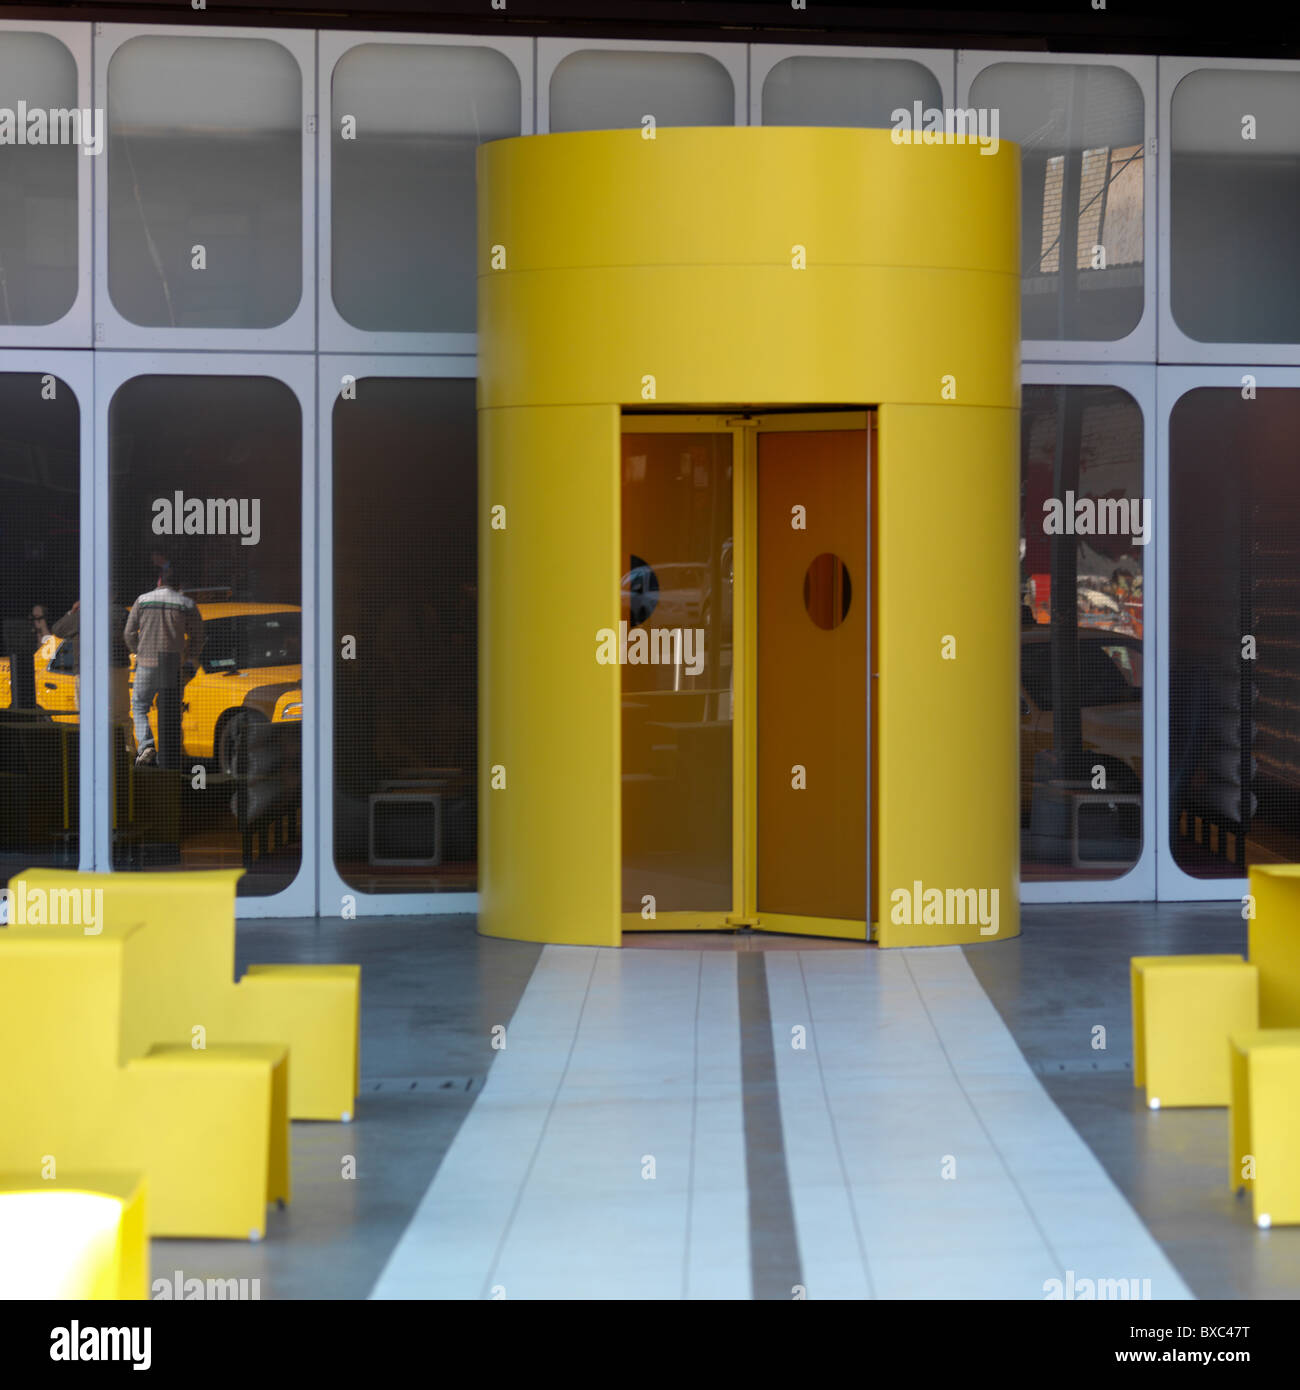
406, 589
615, 89
1080, 130
1085, 527
855, 92
40, 629
204, 182
407, 123
1234, 206
1234, 604
38, 184
205, 683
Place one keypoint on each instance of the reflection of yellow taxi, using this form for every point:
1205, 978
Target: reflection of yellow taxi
56, 680
250, 671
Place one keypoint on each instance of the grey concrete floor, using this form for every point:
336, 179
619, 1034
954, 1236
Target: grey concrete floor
1069, 972
433, 990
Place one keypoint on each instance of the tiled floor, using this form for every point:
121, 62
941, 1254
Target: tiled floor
748, 1116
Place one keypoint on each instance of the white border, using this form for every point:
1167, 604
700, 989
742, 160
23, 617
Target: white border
331, 368
1172, 383
764, 57
298, 332
1140, 344
336, 333
552, 52
1176, 347
1137, 884
73, 369
73, 330
296, 371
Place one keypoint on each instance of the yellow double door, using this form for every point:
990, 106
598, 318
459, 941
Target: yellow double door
745, 644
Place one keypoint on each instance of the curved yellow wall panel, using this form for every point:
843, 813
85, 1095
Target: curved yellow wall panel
758, 267
550, 851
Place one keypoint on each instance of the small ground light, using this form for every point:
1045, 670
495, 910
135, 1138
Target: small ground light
1263, 1221
1154, 1103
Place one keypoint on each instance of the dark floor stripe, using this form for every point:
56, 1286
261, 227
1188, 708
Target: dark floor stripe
773, 1246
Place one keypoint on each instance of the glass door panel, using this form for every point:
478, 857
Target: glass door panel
677, 646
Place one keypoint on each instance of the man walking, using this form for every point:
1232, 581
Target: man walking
165, 631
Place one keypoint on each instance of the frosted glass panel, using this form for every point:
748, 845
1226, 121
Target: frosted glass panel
845, 91
1234, 207
38, 186
1080, 130
406, 124
608, 89
204, 151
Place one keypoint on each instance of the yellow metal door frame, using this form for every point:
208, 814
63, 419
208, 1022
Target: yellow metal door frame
744, 429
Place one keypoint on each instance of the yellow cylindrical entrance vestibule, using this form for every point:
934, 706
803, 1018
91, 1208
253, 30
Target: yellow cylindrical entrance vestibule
750, 270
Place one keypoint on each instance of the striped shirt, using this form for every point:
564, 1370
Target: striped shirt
163, 620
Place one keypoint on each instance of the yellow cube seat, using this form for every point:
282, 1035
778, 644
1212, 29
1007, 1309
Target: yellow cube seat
1264, 1123
314, 1010
1184, 1009
80, 1235
85, 1090
1274, 944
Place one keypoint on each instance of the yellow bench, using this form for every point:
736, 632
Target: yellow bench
1184, 1009
80, 1235
84, 1089
1264, 1123
190, 917
1275, 943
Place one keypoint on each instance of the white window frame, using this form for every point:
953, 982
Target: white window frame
1137, 884
552, 52
1175, 345
1140, 344
74, 370
336, 333
1172, 383
764, 57
298, 332
296, 371
333, 889
73, 330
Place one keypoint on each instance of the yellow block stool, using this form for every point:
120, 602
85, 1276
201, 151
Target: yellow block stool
1275, 943
81, 1235
81, 1089
189, 921
1264, 1123
1184, 1009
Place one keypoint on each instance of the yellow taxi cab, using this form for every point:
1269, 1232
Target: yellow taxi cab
250, 671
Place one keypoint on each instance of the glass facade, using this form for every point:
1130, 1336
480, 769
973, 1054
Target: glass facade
205, 721
213, 187
406, 623
1234, 604
1085, 526
1080, 130
40, 630
38, 186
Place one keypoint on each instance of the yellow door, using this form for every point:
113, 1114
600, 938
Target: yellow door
811, 677
743, 645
